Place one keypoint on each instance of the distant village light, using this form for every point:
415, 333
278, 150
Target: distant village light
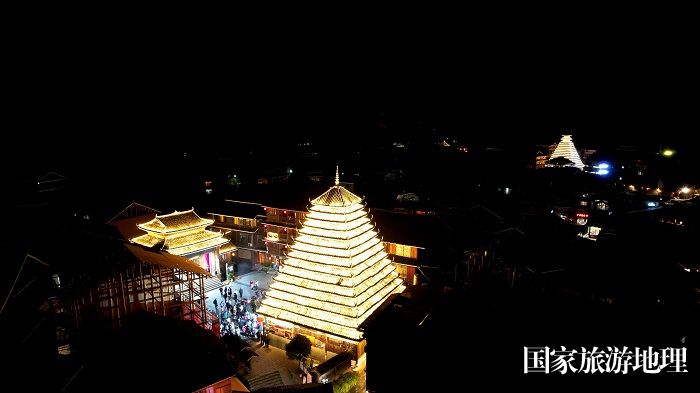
668, 153
602, 169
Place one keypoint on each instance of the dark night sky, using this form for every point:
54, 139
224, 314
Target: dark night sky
524, 74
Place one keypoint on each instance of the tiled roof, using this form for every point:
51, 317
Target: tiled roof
193, 248
192, 238
165, 259
227, 247
175, 222
147, 240
337, 196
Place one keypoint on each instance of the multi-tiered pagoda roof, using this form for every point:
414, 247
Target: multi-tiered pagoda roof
566, 149
179, 233
337, 272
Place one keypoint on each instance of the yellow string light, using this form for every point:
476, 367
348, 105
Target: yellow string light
337, 272
181, 233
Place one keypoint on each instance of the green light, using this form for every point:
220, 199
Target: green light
668, 153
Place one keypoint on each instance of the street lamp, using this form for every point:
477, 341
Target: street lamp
685, 190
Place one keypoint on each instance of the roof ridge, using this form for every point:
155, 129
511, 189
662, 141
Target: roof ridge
177, 212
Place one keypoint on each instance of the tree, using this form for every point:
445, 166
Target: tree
561, 161
299, 347
347, 383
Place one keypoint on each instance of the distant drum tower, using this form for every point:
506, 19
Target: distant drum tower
566, 149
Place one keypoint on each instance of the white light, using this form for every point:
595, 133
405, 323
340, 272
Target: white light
685, 190
565, 148
602, 172
603, 166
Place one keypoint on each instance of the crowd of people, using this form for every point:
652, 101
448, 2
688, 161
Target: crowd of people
237, 314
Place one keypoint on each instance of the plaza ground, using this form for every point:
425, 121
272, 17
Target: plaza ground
271, 367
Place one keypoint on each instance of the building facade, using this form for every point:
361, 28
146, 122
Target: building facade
262, 236
541, 160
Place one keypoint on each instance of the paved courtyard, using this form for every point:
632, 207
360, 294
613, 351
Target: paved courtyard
243, 282
271, 367
271, 359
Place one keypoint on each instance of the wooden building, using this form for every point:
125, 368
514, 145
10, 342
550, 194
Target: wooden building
335, 276
109, 279
185, 234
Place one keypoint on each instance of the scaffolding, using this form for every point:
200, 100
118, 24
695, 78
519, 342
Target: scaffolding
154, 282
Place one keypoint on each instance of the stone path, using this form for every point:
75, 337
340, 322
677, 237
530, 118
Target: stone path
272, 362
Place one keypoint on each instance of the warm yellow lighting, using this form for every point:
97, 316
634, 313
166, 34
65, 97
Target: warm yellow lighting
312, 222
668, 153
685, 190
337, 234
175, 222
227, 248
147, 240
336, 197
337, 272
333, 246
335, 217
329, 264
181, 233
196, 247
